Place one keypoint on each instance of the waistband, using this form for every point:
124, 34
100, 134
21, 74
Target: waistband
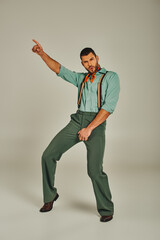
87, 113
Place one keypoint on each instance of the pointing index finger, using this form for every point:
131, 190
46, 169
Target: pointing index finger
37, 43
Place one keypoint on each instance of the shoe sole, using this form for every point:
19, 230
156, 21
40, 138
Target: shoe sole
107, 220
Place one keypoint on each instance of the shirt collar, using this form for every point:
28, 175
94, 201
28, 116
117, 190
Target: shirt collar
103, 70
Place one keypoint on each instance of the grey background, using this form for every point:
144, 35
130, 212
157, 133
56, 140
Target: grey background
36, 104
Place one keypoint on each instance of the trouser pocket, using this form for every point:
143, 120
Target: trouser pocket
76, 118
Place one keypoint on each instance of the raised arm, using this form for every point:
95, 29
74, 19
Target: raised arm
51, 63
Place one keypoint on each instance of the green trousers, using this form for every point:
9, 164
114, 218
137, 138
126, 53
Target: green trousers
95, 146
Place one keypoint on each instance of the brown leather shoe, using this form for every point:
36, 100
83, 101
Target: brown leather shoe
106, 218
48, 206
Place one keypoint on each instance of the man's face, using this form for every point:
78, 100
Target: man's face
90, 62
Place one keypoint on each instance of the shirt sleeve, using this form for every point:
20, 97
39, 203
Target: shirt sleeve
68, 75
112, 94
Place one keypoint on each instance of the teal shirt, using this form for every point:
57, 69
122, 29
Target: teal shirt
89, 101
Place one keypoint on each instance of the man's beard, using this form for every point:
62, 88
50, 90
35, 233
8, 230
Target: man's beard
96, 67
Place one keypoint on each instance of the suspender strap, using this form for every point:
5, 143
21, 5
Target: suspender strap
99, 91
80, 93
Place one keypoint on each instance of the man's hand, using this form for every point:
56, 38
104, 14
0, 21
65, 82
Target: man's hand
84, 134
51, 63
37, 48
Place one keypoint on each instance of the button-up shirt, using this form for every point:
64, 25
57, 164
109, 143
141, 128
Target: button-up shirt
89, 101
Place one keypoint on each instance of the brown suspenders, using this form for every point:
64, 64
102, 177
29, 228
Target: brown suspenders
99, 91
80, 94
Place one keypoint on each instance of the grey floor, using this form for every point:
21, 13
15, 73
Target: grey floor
135, 192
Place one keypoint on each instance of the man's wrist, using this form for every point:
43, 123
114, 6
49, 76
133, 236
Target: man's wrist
90, 127
42, 55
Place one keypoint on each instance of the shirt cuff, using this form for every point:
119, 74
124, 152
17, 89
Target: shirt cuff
108, 109
60, 74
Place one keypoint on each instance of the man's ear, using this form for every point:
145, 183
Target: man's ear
97, 58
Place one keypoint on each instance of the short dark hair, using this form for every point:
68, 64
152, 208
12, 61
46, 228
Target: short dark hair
86, 51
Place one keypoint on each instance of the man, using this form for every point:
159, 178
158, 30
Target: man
97, 99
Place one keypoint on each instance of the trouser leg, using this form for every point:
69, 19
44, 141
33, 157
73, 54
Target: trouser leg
64, 140
95, 151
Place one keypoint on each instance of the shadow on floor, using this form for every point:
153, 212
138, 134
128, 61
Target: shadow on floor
83, 206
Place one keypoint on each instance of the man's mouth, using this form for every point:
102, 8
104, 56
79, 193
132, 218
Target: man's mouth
91, 68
